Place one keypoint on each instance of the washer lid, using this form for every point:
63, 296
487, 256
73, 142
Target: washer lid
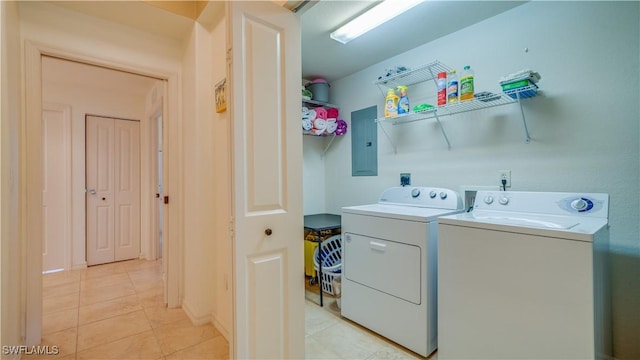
400, 212
564, 227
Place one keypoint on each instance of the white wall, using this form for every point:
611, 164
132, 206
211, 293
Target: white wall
198, 178
221, 166
313, 170
96, 100
584, 125
11, 284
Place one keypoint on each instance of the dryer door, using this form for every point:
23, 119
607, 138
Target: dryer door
387, 266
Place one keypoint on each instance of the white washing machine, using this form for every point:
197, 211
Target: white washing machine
389, 264
524, 276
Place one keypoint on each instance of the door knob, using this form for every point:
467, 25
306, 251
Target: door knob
268, 232
92, 191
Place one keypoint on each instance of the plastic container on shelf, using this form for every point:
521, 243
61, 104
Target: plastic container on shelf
320, 89
391, 104
441, 84
403, 103
452, 87
466, 84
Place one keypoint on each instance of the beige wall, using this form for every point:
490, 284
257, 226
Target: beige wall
11, 284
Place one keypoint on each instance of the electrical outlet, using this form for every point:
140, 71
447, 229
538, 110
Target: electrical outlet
405, 179
505, 175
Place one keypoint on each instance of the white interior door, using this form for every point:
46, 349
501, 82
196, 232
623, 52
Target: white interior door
127, 189
265, 75
56, 186
113, 189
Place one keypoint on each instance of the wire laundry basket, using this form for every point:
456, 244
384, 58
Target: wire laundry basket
331, 261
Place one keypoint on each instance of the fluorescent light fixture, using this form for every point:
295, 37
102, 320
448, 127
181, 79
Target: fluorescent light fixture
378, 15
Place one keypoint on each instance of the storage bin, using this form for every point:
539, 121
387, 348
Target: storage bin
320, 90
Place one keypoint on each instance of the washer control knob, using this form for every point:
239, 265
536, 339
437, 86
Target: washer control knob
415, 192
504, 200
488, 200
581, 204
432, 194
443, 195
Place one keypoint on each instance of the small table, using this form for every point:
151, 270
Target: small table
317, 223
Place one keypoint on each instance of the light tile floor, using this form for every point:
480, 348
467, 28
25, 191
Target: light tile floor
116, 311
330, 336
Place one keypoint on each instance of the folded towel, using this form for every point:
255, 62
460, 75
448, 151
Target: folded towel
312, 115
321, 113
320, 124
332, 113
307, 124
332, 126
341, 127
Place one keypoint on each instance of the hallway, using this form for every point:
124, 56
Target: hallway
116, 311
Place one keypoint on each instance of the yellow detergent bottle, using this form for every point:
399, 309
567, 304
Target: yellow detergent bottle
391, 104
466, 84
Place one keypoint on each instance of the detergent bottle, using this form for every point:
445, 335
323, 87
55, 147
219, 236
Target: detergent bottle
466, 84
403, 103
391, 104
452, 87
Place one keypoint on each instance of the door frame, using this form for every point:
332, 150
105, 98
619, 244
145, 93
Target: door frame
30, 165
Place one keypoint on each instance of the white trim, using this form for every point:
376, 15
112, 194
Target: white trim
196, 320
220, 327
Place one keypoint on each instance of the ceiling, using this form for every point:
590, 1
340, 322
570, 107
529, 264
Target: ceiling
321, 56
324, 57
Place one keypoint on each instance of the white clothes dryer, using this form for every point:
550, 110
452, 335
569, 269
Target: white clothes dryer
389, 264
525, 276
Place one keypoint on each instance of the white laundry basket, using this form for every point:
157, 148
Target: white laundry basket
331, 262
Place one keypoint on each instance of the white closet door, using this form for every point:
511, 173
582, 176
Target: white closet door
113, 189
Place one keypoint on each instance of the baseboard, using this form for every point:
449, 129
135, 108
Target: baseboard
82, 265
196, 320
221, 328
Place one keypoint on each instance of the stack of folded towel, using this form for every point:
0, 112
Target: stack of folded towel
320, 121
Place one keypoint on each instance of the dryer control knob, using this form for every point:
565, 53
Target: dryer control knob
443, 195
415, 192
432, 194
504, 200
488, 200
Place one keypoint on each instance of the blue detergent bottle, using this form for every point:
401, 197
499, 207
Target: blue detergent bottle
403, 103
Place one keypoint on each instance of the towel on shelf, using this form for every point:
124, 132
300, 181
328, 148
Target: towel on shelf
320, 124
332, 125
318, 131
341, 127
307, 124
312, 114
332, 113
321, 113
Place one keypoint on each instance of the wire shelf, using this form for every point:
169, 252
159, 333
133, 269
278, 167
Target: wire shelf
410, 77
451, 109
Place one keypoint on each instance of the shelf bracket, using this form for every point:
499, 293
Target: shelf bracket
326, 148
442, 129
524, 121
395, 149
